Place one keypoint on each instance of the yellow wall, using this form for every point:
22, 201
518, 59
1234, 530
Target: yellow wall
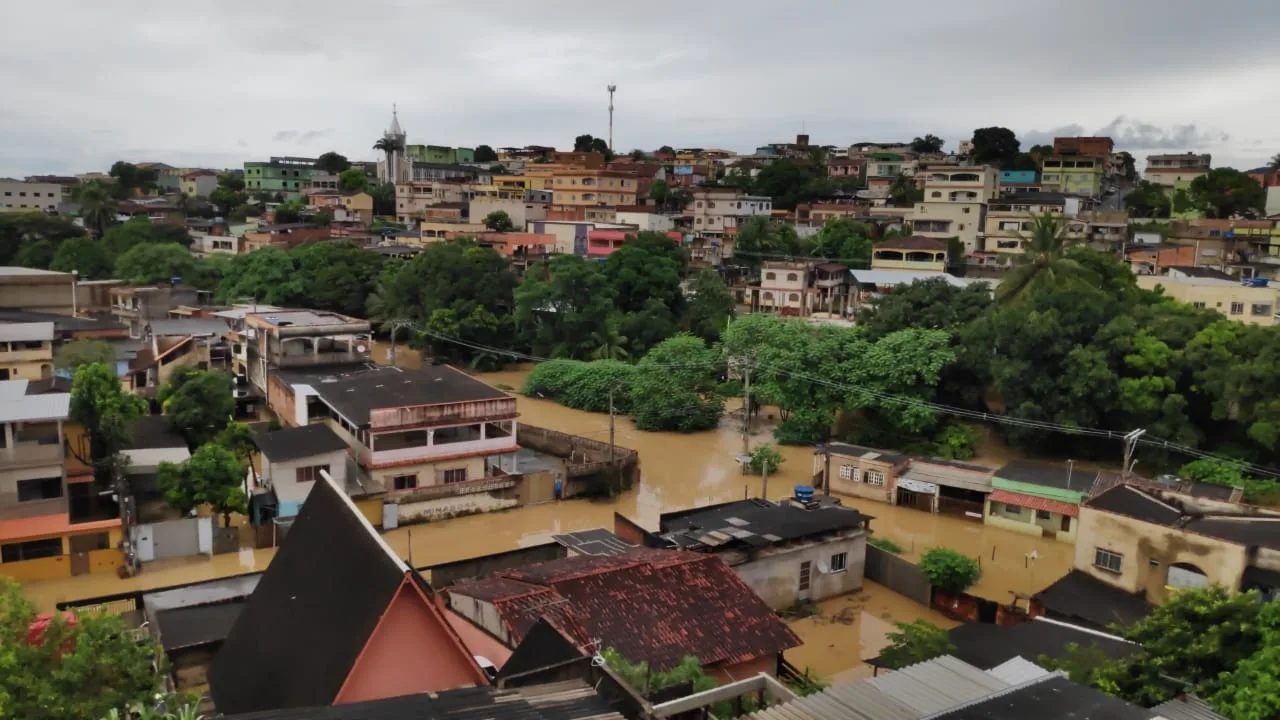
1029, 524
1218, 296
371, 508
427, 471
1140, 542
100, 561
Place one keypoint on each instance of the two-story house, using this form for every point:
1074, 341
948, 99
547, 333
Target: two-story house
49, 527
136, 306
714, 215
955, 202
800, 288
585, 187
1170, 171
26, 351
1009, 219
276, 339
914, 252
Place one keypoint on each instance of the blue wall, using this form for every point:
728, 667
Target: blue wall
1017, 176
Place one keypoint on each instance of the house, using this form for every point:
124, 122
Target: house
718, 212
288, 176
170, 344
867, 285
644, 217
989, 645
1149, 542
520, 211
358, 204
26, 351
1169, 171
199, 183
20, 196
587, 187
49, 521
914, 252
35, 290
430, 436
1038, 498
1252, 302
1097, 146
68, 327
602, 243
136, 306
860, 471
954, 202
1080, 599
945, 486
1010, 218
157, 210
364, 627
652, 606
151, 441
292, 460
882, 168
276, 339
789, 552
1075, 174
1019, 181
800, 288
283, 235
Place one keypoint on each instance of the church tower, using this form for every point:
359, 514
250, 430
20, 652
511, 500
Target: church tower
395, 167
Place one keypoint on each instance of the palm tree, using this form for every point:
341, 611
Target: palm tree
1275, 163
1043, 262
610, 342
903, 190
97, 205
390, 146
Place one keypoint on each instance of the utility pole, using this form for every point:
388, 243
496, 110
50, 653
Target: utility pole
610, 425
826, 468
395, 326
746, 409
612, 89
764, 480
1130, 444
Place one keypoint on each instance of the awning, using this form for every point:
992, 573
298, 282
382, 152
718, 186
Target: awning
1035, 503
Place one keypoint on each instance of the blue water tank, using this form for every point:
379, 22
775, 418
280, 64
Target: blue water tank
804, 493
1260, 282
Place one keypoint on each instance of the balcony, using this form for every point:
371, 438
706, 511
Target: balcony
469, 487
20, 352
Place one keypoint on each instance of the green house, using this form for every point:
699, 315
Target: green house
1038, 498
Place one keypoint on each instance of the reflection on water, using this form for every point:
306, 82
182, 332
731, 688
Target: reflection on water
677, 471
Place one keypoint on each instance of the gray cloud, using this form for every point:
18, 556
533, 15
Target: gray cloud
727, 73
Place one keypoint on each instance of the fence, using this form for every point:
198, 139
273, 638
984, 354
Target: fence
897, 574
584, 458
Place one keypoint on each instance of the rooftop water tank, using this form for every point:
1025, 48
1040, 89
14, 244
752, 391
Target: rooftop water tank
804, 493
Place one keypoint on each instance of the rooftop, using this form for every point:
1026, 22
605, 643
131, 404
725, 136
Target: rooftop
866, 453
1052, 475
1204, 272
355, 393
60, 322
913, 242
16, 405
151, 432
299, 442
20, 272
593, 542
1056, 698
299, 318
1248, 527
755, 524
987, 645
26, 331
1079, 596
904, 277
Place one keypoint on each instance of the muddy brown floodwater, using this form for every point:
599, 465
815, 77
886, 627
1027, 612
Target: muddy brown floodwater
677, 472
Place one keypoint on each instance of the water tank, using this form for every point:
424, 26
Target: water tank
804, 493
1259, 282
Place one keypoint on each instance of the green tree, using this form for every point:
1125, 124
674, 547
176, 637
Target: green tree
927, 144
659, 193
97, 205
609, 342
647, 266
903, 191
353, 180
499, 221
38, 254
132, 180
846, 241
1227, 193
586, 143
332, 163
289, 212
338, 276
484, 153
996, 146
949, 570
765, 456
1258, 491
384, 199
927, 304
198, 404
674, 387
790, 182
213, 475
152, 263
266, 276
87, 257
71, 669
1251, 691
914, 642
562, 308
665, 150
20, 228
84, 351
1081, 663
105, 411
388, 145
232, 181
709, 306
1043, 260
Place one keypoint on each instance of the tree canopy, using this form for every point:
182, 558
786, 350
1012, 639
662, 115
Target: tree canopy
106, 412
198, 404
484, 153
1227, 193
213, 475
499, 221
154, 262
332, 163
927, 144
996, 146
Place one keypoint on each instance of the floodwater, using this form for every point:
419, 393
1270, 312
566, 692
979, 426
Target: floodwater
677, 472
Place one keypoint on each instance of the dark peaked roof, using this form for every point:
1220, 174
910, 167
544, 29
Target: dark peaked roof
754, 523
151, 432
1131, 502
299, 442
1057, 475
986, 645
1054, 699
1248, 526
1079, 596
385, 387
311, 614
543, 647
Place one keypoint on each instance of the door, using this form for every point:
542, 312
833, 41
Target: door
175, 538
80, 563
806, 572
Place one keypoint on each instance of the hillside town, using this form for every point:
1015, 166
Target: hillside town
961, 428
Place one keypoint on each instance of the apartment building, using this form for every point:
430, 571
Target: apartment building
914, 252
413, 199
19, 196
882, 168
1250, 302
955, 202
585, 187
1170, 170
800, 289
1073, 174
1009, 219
289, 176
291, 339
36, 290
26, 351
716, 211
50, 525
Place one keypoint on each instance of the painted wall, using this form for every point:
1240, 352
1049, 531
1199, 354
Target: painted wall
1052, 493
283, 476
444, 508
1139, 543
858, 469
412, 650
1028, 521
426, 472
775, 573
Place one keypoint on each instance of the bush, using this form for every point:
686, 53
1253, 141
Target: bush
588, 387
957, 441
551, 378
885, 544
949, 570
765, 456
804, 426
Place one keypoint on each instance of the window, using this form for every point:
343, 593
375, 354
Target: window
770, 276
936, 194
455, 475
805, 568
839, 562
1107, 560
39, 489
875, 477
1044, 515
795, 297
995, 508
310, 473
846, 472
792, 277
966, 210
1153, 563
405, 482
1237, 308
1259, 309
31, 550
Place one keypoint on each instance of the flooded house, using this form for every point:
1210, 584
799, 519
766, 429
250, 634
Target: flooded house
929, 484
859, 471
651, 606
802, 549
366, 628
1038, 498
292, 460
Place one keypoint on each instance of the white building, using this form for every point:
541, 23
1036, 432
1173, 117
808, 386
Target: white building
18, 196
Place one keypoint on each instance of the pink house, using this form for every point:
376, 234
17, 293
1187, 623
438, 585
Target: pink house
602, 243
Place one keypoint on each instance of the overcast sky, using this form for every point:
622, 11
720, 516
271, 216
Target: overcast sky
224, 81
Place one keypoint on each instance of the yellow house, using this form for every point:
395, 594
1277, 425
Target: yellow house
355, 202
594, 187
1073, 174
1252, 305
910, 253
1009, 219
26, 351
1153, 542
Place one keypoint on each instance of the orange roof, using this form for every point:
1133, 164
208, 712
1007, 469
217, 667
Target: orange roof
478, 642
42, 526
1035, 503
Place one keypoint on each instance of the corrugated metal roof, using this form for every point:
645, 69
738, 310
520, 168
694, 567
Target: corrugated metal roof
23, 331
853, 701
903, 277
936, 685
949, 476
1192, 708
1018, 670
17, 406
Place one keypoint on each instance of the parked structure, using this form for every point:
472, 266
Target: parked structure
804, 549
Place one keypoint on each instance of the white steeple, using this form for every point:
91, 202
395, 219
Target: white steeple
394, 130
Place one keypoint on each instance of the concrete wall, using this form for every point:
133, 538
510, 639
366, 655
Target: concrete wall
482, 613
1028, 522
51, 293
426, 472
858, 468
1139, 543
283, 477
774, 574
446, 574
444, 508
897, 574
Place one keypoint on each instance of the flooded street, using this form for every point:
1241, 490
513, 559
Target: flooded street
677, 472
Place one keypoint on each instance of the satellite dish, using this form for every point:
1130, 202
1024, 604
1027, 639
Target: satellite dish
360, 348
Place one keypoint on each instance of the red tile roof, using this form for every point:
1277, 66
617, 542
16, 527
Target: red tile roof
1035, 503
654, 606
